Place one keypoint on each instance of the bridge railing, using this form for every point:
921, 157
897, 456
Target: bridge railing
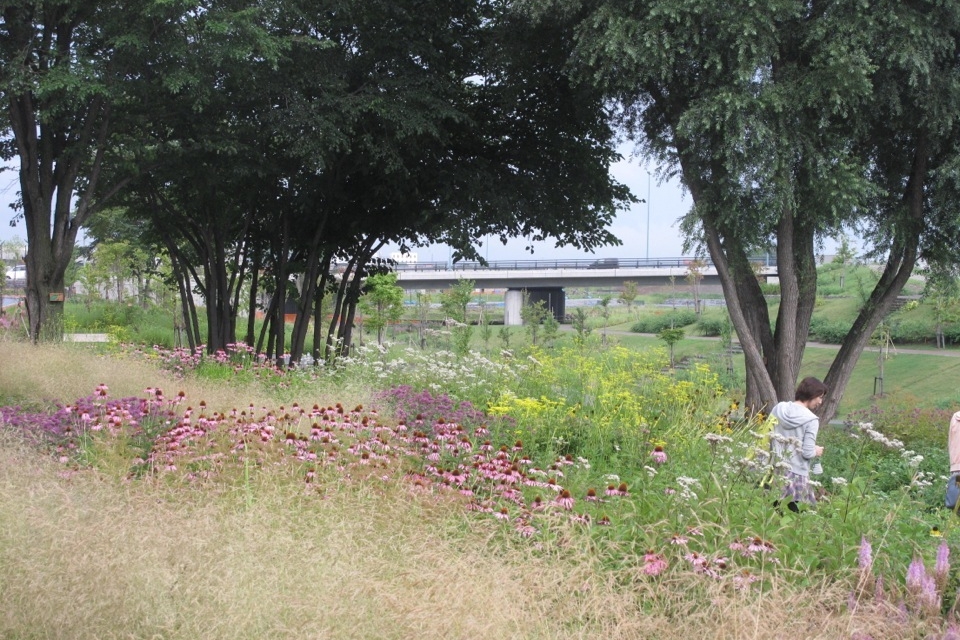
521, 265
589, 263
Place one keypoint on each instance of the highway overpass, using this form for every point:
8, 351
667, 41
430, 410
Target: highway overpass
527, 274
545, 279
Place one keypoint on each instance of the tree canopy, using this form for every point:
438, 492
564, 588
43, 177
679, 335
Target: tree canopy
789, 122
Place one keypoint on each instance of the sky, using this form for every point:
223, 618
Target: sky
667, 203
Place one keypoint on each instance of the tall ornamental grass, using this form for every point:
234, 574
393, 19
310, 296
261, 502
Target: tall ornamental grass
273, 509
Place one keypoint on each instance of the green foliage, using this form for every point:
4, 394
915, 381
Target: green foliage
671, 337
828, 331
628, 295
580, 326
712, 325
533, 315
382, 302
660, 320
454, 302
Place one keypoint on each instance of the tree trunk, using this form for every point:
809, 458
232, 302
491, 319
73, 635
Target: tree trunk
901, 260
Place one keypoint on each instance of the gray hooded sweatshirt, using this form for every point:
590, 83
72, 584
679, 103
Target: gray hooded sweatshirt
795, 421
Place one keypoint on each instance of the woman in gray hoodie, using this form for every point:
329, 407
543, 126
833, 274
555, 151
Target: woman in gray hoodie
794, 441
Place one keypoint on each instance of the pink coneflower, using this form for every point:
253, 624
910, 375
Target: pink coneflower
564, 499
744, 580
678, 540
698, 561
503, 514
658, 454
591, 495
759, 545
653, 564
580, 518
604, 521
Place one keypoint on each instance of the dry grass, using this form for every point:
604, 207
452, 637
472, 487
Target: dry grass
92, 555
66, 372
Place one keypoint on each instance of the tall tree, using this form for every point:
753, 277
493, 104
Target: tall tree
790, 122
65, 67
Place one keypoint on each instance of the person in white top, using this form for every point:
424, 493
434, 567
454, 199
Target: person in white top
794, 441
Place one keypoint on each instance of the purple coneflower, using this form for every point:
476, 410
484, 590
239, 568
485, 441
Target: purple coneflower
564, 500
658, 454
653, 564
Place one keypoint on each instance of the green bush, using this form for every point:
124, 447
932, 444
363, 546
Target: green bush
912, 332
917, 427
658, 321
829, 331
711, 326
951, 333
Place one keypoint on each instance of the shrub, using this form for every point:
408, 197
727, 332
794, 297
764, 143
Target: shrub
710, 326
829, 331
916, 427
912, 332
657, 322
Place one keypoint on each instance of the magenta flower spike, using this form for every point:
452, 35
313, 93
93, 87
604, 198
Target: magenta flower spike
943, 559
866, 555
915, 574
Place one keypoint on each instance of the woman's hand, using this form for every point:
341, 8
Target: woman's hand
818, 451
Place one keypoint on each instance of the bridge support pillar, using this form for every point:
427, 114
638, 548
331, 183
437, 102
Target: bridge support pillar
554, 297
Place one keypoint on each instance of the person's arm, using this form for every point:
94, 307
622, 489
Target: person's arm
809, 450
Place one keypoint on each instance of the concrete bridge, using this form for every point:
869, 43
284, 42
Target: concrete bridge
545, 279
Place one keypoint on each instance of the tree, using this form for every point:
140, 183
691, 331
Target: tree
790, 122
581, 327
671, 336
454, 303
67, 73
845, 254
382, 302
604, 311
942, 290
533, 315
629, 293
695, 277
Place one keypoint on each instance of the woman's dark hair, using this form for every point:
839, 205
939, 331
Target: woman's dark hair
809, 389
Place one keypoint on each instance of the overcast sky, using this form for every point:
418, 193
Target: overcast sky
667, 203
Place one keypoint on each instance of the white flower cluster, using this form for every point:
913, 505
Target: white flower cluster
839, 482
913, 458
876, 436
922, 480
440, 371
716, 438
686, 484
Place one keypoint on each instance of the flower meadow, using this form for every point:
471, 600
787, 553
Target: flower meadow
658, 473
